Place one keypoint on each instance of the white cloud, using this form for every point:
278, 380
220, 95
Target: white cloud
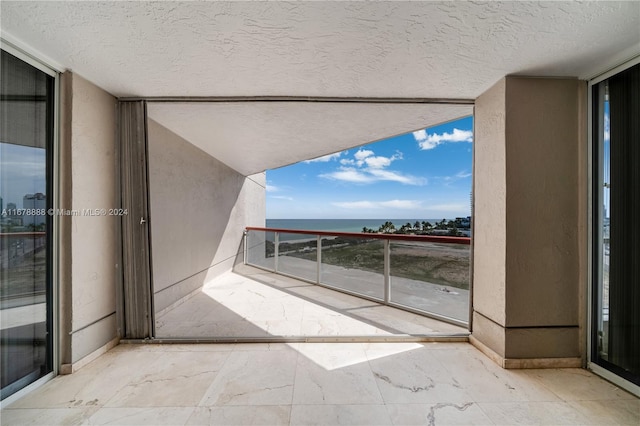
394, 204
357, 205
430, 141
362, 154
366, 167
607, 127
402, 204
272, 188
449, 207
324, 158
282, 197
392, 176
349, 174
378, 162
448, 180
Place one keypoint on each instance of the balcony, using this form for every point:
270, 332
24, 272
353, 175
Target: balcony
425, 274
310, 286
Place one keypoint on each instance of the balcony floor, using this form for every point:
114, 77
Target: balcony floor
318, 383
252, 303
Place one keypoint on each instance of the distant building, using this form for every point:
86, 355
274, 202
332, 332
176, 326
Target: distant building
37, 201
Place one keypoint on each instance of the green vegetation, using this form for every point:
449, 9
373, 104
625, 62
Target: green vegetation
443, 227
445, 264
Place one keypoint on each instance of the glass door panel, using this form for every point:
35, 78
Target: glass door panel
26, 135
616, 327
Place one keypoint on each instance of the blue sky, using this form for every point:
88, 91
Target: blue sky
22, 171
418, 175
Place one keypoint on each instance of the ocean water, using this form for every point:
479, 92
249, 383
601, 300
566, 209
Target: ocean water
338, 225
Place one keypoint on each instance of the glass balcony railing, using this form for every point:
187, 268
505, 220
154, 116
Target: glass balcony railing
420, 273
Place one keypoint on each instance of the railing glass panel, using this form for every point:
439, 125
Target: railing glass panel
261, 249
423, 274
354, 264
297, 256
431, 277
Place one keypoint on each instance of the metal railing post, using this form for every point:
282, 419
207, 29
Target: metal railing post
318, 258
276, 249
245, 252
387, 271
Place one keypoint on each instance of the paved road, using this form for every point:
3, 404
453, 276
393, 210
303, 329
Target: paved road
436, 298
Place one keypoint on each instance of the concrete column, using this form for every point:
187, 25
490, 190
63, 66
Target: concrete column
88, 246
529, 224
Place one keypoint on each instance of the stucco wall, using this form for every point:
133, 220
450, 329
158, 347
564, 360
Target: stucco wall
490, 204
529, 185
199, 208
542, 201
89, 262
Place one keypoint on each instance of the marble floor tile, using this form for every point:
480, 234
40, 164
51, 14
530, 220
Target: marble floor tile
250, 304
576, 384
284, 327
241, 415
416, 376
93, 385
485, 381
405, 322
324, 322
366, 415
318, 383
47, 416
334, 374
610, 412
141, 416
182, 329
442, 413
174, 379
533, 413
253, 378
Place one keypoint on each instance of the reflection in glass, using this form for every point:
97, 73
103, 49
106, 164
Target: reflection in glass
603, 332
616, 342
25, 292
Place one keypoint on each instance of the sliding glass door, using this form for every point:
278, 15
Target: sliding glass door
616, 213
26, 141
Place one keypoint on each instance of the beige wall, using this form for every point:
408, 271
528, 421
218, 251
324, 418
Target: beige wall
199, 208
528, 220
89, 244
489, 230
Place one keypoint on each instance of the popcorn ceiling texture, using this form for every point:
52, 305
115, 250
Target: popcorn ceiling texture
251, 137
353, 49
343, 49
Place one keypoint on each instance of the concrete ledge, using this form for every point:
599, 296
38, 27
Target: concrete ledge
72, 368
406, 338
522, 363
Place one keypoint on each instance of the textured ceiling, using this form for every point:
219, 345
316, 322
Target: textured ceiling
353, 49
450, 50
251, 137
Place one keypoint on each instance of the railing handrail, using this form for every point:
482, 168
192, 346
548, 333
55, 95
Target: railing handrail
379, 236
22, 234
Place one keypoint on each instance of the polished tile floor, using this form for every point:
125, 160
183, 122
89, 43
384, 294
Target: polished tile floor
321, 384
251, 302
